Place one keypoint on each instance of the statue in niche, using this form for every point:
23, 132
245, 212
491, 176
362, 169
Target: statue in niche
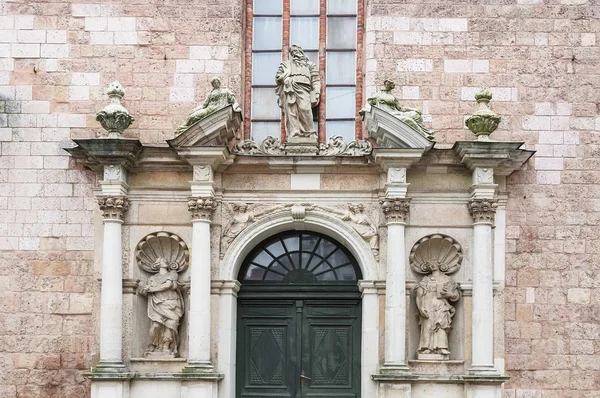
242, 216
164, 255
216, 99
359, 221
385, 100
298, 89
436, 256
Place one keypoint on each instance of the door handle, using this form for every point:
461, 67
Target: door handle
302, 378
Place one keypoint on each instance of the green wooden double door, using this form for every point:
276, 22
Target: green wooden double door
296, 348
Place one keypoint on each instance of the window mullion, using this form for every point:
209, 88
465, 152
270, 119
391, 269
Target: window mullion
285, 45
322, 66
360, 20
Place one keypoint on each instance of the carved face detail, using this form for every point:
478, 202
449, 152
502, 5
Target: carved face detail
388, 85
243, 208
357, 208
215, 82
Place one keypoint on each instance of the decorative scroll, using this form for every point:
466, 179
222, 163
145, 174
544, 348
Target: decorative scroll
335, 147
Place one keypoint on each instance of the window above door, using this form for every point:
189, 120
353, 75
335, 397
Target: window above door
330, 32
300, 258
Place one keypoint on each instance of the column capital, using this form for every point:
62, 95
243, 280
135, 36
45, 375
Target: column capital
483, 210
113, 207
395, 209
202, 208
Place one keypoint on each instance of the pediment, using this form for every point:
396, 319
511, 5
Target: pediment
389, 131
215, 130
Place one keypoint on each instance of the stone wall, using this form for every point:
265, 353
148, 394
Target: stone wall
540, 59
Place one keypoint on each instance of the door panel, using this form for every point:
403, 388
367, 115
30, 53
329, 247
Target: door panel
279, 339
266, 347
331, 349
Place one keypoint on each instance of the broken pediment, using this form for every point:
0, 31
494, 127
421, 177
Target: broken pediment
389, 131
216, 129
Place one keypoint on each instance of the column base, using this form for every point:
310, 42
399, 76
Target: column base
199, 367
395, 368
484, 371
109, 371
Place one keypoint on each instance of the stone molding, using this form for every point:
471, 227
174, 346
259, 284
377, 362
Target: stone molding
113, 207
336, 146
483, 210
396, 209
202, 208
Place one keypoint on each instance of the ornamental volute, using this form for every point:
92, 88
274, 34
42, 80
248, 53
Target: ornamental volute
483, 210
113, 207
202, 208
395, 209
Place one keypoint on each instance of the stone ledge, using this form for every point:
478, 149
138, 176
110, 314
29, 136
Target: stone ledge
105, 376
430, 378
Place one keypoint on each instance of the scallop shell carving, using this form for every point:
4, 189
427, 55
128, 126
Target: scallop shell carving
436, 248
162, 244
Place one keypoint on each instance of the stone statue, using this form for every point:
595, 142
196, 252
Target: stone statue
164, 255
385, 100
435, 256
298, 88
165, 308
240, 218
360, 222
216, 99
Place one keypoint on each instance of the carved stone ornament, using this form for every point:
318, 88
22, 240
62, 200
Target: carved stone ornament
484, 175
164, 255
240, 216
270, 146
202, 208
483, 210
360, 221
336, 146
396, 209
436, 257
484, 121
216, 99
113, 207
114, 118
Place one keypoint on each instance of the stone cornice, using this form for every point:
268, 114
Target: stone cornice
202, 208
113, 207
483, 210
396, 210
503, 157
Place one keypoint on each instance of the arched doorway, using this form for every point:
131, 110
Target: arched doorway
299, 319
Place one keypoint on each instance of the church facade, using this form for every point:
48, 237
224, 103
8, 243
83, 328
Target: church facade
299, 199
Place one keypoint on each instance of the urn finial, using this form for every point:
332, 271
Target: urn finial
114, 118
484, 121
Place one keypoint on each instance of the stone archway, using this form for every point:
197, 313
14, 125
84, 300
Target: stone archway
307, 220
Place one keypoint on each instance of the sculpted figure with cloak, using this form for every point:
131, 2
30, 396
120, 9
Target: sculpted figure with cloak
298, 88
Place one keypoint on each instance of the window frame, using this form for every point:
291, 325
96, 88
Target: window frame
324, 16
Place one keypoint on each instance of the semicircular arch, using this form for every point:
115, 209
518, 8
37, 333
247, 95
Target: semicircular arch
313, 221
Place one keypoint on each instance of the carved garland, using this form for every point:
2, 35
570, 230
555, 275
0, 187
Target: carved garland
113, 207
483, 210
336, 146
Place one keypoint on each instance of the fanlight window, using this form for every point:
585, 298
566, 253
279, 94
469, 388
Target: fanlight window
300, 257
